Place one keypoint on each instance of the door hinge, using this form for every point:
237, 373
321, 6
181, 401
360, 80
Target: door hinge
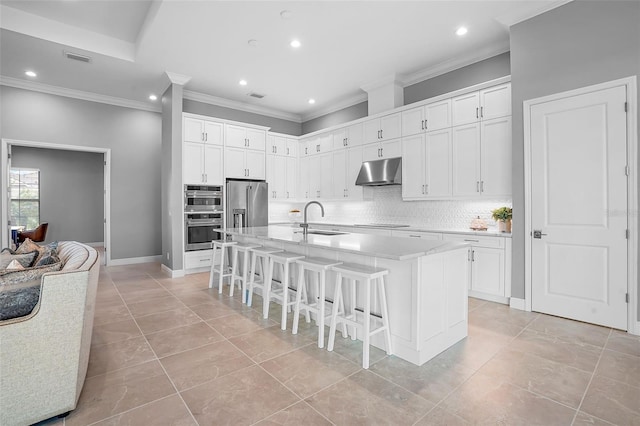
626, 106
626, 297
105, 220
9, 155
627, 234
626, 170
105, 163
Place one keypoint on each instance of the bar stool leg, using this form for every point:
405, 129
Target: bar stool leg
296, 309
234, 271
334, 312
222, 254
354, 329
213, 266
320, 306
367, 324
253, 279
385, 318
285, 295
266, 294
245, 275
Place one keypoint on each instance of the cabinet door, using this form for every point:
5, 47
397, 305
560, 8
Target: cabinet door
290, 177
437, 164
437, 115
256, 139
271, 173
193, 130
372, 131
465, 109
213, 164
354, 163
303, 178
315, 169
326, 176
234, 163
413, 121
236, 136
391, 149
339, 139
355, 135
276, 176
371, 151
339, 173
413, 162
192, 158
390, 126
495, 102
213, 133
487, 270
495, 164
326, 142
466, 160
255, 162
291, 149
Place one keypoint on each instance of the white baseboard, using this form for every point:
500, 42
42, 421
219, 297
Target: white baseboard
135, 260
171, 273
636, 329
516, 303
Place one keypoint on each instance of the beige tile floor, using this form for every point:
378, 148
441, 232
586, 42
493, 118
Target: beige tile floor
172, 352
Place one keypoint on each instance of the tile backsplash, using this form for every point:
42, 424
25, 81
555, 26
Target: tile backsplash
387, 206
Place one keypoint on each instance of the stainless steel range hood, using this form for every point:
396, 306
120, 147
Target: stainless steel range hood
380, 172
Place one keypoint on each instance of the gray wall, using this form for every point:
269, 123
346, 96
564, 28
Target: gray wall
576, 45
134, 139
277, 125
71, 191
338, 117
478, 72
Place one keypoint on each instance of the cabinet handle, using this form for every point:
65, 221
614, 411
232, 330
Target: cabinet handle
473, 255
473, 241
481, 186
205, 178
426, 189
381, 134
477, 113
206, 136
287, 151
423, 189
477, 186
422, 124
381, 154
318, 148
202, 178
469, 255
287, 194
426, 126
306, 150
481, 111
202, 137
414, 236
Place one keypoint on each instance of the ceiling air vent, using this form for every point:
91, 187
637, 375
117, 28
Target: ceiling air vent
77, 57
256, 95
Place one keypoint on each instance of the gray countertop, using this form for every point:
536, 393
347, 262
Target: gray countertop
364, 244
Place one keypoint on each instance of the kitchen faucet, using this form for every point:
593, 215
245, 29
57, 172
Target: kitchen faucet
305, 225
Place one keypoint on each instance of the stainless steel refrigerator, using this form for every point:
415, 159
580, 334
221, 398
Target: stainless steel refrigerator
247, 203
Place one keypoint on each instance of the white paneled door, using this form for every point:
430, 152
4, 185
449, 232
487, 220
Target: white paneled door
579, 207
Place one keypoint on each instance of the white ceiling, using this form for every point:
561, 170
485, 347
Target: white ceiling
345, 45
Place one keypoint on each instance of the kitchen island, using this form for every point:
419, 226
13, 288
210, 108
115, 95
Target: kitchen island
426, 287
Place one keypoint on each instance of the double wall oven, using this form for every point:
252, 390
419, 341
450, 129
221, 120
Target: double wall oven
203, 216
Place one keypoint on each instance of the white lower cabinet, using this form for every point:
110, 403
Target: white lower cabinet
417, 234
197, 259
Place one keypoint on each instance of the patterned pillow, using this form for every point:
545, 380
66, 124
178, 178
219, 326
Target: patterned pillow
15, 266
27, 246
47, 254
29, 274
18, 300
25, 259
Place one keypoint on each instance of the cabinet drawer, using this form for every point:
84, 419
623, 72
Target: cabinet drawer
417, 234
477, 241
198, 259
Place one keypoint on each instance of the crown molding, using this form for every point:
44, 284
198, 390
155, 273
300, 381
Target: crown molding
76, 94
337, 106
241, 106
394, 79
175, 78
457, 63
512, 19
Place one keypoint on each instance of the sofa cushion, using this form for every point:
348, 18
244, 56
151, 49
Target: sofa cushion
44, 251
28, 274
18, 300
25, 259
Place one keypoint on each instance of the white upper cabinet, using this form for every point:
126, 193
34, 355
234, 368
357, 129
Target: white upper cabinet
426, 118
426, 166
466, 161
382, 150
202, 131
244, 163
319, 144
246, 137
383, 128
346, 166
321, 176
280, 145
348, 136
482, 105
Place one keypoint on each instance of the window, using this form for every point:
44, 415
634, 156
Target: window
25, 197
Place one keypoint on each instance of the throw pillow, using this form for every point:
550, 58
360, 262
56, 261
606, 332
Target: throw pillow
45, 252
29, 274
25, 259
27, 246
14, 266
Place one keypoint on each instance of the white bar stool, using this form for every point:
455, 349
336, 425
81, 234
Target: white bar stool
365, 275
235, 276
318, 267
259, 260
285, 259
222, 246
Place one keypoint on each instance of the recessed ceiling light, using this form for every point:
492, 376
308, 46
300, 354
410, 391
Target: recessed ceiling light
312, 101
242, 82
253, 42
30, 73
461, 31
153, 97
286, 14
295, 43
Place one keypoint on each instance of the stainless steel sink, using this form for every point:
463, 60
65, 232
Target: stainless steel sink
322, 232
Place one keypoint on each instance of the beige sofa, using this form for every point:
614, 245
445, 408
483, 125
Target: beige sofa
44, 355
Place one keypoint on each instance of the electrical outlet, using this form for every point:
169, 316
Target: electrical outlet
167, 255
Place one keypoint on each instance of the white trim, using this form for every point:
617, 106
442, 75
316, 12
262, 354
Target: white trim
632, 191
512, 19
223, 121
240, 106
517, 303
136, 260
173, 274
175, 78
77, 94
4, 194
95, 244
337, 106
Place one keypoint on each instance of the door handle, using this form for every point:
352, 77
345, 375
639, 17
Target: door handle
538, 234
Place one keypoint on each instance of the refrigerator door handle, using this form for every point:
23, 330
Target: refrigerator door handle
249, 212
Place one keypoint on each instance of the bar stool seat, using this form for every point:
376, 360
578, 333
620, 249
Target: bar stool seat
354, 273
223, 271
235, 275
259, 260
319, 267
285, 259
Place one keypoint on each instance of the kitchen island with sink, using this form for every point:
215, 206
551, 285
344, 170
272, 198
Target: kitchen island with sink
426, 287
